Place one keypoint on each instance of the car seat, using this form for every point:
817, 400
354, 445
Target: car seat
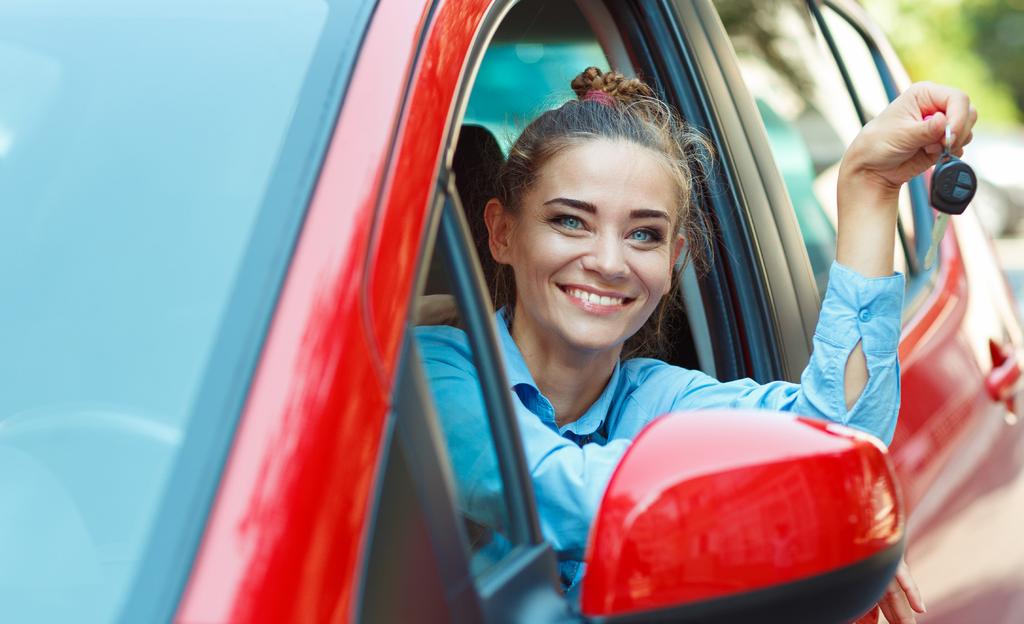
476, 164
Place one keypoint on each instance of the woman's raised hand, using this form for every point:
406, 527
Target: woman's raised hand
900, 143
906, 138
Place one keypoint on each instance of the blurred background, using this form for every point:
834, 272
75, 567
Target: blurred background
978, 46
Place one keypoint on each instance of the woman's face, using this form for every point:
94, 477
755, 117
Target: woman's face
593, 245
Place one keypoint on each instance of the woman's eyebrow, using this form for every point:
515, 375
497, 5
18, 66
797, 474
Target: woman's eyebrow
644, 213
574, 203
585, 206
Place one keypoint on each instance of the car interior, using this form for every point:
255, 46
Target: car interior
534, 54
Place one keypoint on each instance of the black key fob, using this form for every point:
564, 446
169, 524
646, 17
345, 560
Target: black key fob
953, 184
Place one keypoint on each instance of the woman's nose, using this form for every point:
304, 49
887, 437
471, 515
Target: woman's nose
607, 257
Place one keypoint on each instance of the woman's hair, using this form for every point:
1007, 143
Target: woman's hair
612, 107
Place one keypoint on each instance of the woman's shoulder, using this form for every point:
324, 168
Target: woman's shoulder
442, 341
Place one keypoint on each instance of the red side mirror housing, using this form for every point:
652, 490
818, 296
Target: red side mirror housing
736, 516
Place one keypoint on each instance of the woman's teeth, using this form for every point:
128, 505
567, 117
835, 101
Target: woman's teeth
595, 299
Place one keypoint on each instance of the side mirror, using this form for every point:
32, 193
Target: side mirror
744, 516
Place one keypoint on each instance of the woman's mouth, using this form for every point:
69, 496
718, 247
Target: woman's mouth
597, 303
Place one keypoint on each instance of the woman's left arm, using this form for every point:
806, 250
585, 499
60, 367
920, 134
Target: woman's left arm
900, 143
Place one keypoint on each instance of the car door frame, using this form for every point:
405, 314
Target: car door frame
774, 298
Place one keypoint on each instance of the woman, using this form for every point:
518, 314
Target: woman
592, 214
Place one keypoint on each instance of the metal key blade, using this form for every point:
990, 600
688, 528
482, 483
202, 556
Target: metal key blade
938, 231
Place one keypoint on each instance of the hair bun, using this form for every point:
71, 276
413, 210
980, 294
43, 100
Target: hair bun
613, 83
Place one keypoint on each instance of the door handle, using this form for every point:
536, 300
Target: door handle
1002, 380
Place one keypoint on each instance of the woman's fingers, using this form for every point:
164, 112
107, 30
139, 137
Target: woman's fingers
895, 606
902, 598
934, 98
910, 589
907, 137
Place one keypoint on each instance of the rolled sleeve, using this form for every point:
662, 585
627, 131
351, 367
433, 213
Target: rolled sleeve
856, 309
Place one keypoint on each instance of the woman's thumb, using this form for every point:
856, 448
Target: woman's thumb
932, 128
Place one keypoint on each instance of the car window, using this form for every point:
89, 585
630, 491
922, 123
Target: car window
134, 174
862, 66
537, 51
807, 111
449, 363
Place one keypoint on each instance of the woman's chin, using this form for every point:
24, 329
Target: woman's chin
595, 337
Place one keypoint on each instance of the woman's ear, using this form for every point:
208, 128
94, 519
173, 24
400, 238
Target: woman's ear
678, 245
499, 231
677, 248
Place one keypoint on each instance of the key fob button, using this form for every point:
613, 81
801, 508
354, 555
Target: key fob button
953, 185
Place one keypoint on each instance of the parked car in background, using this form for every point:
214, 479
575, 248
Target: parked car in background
997, 158
217, 220
995, 208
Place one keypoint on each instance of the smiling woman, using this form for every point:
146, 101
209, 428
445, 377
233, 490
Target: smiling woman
592, 212
587, 200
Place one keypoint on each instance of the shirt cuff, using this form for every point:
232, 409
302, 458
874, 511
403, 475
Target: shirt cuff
861, 308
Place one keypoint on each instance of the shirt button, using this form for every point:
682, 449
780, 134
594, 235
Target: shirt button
865, 315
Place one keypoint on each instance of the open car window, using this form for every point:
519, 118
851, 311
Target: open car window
874, 88
808, 113
527, 68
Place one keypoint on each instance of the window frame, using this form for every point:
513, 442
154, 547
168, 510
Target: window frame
894, 80
761, 299
525, 579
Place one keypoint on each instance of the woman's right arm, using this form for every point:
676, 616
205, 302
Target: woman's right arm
568, 480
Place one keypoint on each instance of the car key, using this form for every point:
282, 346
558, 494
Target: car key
953, 187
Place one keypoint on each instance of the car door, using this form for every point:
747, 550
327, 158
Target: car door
427, 547
287, 536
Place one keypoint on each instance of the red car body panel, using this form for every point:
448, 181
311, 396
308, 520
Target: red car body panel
398, 233
934, 354
729, 516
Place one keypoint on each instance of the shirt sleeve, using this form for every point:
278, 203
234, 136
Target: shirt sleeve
855, 309
568, 480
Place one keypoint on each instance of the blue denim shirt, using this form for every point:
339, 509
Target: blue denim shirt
571, 465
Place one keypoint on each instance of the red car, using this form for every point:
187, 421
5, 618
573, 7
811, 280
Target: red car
220, 219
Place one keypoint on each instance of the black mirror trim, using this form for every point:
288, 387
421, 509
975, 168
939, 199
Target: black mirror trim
838, 596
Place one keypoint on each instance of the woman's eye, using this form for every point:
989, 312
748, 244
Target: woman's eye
569, 222
645, 236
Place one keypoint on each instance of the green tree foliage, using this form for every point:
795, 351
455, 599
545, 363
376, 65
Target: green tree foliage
976, 45
999, 40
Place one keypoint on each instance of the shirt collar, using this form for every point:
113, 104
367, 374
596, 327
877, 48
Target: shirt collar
519, 375
515, 366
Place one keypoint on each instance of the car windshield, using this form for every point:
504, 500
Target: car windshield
138, 141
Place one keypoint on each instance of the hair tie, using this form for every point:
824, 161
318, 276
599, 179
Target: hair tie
599, 96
